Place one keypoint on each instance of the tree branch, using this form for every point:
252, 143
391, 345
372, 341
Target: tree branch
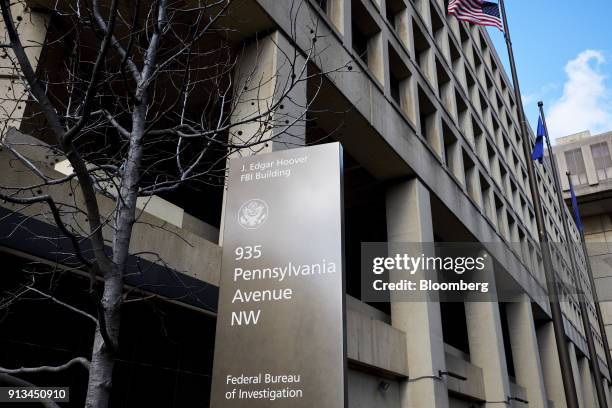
66, 305
93, 82
47, 369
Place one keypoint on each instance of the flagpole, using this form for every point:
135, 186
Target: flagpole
569, 386
602, 328
586, 322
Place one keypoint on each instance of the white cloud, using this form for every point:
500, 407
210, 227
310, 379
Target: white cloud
529, 98
542, 93
586, 102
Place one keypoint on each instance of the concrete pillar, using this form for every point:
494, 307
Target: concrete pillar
378, 54
453, 23
448, 98
33, 30
576, 373
340, 14
409, 98
428, 66
433, 132
473, 186
589, 164
486, 113
562, 165
502, 222
468, 51
550, 365
465, 123
459, 68
589, 398
409, 219
525, 352
491, 210
425, 12
475, 98
487, 350
443, 43
496, 171
455, 161
270, 71
404, 30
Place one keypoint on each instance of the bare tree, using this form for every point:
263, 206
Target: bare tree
147, 95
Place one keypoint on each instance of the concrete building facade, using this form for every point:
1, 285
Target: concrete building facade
587, 158
433, 153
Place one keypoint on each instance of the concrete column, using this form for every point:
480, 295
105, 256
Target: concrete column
576, 373
473, 186
433, 132
428, 66
490, 209
586, 384
497, 78
475, 98
33, 30
486, 113
455, 161
487, 350
465, 123
459, 68
550, 365
340, 14
475, 30
562, 165
502, 222
270, 71
525, 352
448, 98
443, 43
453, 23
404, 30
409, 98
589, 164
409, 219
496, 171
378, 53
424, 11
468, 51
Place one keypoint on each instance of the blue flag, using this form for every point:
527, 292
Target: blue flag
575, 208
538, 148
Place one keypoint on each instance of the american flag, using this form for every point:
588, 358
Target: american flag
477, 12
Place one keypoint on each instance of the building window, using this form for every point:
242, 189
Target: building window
575, 165
398, 72
602, 160
394, 11
364, 31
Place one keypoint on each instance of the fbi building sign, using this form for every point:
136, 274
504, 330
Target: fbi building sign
280, 328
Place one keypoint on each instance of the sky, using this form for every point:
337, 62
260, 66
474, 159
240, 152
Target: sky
563, 51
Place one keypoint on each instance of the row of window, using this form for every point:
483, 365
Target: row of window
481, 81
601, 160
496, 117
